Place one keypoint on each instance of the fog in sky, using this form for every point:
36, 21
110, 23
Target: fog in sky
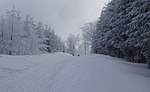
65, 16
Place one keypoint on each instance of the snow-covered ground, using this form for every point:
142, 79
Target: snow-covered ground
64, 73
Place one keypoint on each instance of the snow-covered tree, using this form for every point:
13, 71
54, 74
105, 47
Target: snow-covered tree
2, 29
72, 42
40, 31
21, 36
88, 33
32, 41
123, 30
12, 34
52, 41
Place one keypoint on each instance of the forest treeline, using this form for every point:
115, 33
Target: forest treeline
22, 36
123, 30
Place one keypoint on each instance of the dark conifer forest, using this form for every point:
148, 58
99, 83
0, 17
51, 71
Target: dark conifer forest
123, 30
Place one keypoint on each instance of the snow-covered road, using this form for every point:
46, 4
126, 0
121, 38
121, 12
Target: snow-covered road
63, 73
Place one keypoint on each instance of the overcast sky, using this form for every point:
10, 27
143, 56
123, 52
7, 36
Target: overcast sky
65, 16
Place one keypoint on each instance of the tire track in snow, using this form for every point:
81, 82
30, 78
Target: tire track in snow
35, 79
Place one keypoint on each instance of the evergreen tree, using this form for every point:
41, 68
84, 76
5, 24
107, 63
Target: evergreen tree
19, 36
123, 30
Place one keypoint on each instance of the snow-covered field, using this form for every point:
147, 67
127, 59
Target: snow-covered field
64, 73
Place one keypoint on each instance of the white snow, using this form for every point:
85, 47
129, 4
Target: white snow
61, 72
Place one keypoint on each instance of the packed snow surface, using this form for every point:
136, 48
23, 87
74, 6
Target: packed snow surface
61, 72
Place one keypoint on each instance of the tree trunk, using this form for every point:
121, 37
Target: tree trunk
11, 38
148, 65
10, 52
